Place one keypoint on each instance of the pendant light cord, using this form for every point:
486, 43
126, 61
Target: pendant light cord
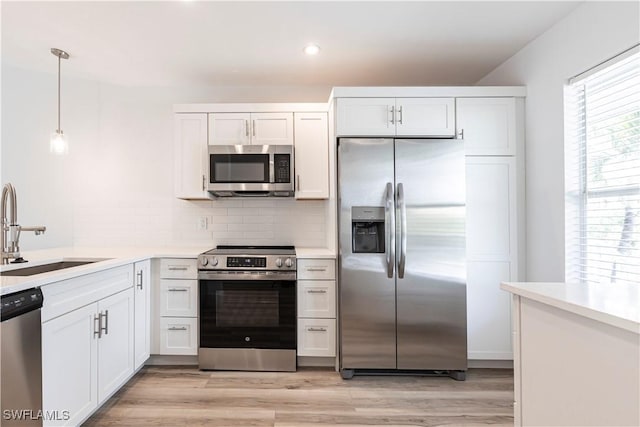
59, 59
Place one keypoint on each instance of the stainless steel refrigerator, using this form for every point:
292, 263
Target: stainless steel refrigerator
402, 266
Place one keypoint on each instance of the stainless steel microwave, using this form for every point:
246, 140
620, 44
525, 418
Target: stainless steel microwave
251, 170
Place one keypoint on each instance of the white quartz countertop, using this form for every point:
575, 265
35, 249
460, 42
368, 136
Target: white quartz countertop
110, 257
615, 304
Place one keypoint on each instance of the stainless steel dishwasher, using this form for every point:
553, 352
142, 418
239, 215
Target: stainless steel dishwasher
21, 362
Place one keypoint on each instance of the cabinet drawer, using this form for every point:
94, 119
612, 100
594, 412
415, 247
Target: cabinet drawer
179, 336
316, 269
178, 268
179, 298
68, 295
317, 298
317, 337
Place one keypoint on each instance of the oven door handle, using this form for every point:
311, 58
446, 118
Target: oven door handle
237, 276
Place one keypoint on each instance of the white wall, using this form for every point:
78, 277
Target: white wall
594, 32
116, 185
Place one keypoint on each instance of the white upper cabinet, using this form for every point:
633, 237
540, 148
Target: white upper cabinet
191, 155
487, 125
366, 117
311, 155
425, 116
251, 128
229, 129
396, 116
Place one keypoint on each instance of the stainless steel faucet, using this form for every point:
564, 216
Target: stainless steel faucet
10, 228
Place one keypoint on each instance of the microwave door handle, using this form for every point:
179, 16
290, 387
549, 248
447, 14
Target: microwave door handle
272, 163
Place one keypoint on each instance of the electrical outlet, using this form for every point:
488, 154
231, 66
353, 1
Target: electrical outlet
203, 223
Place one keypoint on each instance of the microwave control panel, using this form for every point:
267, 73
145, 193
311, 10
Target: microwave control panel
282, 168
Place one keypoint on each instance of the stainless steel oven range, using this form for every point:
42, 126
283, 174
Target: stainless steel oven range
247, 308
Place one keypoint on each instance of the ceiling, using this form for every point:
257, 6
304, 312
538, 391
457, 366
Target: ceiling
198, 43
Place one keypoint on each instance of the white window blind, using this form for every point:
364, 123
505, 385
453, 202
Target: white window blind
602, 168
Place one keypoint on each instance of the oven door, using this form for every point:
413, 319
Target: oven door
247, 313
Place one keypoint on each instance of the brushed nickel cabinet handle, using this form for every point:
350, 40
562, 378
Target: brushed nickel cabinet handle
177, 290
461, 134
97, 320
400, 114
318, 291
316, 329
317, 269
246, 128
203, 182
178, 268
393, 114
253, 127
175, 328
298, 182
139, 279
105, 316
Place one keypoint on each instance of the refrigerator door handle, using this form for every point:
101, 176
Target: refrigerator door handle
390, 239
403, 231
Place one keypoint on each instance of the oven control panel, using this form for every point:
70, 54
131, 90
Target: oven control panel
245, 262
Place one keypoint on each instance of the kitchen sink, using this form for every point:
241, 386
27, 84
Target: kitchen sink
46, 268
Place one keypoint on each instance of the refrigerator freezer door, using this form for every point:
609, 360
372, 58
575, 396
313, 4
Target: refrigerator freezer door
367, 294
431, 284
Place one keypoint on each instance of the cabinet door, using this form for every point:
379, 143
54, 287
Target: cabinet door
488, 311
425, 117
142, 321
491, 208
311, 155
115, 347
229, 129
178, 298
272, 128
179, 336
191, 156
317, 298
487, 125
365, 117
317, 337
69, 365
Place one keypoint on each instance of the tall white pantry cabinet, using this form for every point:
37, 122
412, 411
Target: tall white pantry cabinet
491, 122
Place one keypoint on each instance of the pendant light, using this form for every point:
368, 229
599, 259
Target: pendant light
59, 143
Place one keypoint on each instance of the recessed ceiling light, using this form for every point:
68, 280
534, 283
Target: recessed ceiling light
312, 49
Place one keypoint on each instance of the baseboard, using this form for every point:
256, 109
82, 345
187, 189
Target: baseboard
498, 364
306, 361
159, 359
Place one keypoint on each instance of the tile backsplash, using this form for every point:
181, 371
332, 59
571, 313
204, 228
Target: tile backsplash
165, 222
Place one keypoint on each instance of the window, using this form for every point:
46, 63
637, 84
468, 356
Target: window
602, 173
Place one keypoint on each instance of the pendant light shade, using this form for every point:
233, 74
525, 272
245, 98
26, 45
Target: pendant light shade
58, 143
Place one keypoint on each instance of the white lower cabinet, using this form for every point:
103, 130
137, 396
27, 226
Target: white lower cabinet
178, 311
316, 307
317, 337
142, 321
179, 335
69, 378
87, 355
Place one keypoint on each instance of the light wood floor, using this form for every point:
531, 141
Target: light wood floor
179, 396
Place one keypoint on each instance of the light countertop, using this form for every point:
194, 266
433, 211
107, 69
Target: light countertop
615, 304
112, 257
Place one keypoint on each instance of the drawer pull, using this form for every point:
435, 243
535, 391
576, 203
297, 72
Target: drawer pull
316, 329
316, 291
178, 268
317, 269
175, 328
177, 289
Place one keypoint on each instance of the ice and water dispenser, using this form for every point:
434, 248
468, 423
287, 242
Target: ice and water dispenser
367, 229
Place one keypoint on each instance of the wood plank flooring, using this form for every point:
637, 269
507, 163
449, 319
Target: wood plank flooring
184, 396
